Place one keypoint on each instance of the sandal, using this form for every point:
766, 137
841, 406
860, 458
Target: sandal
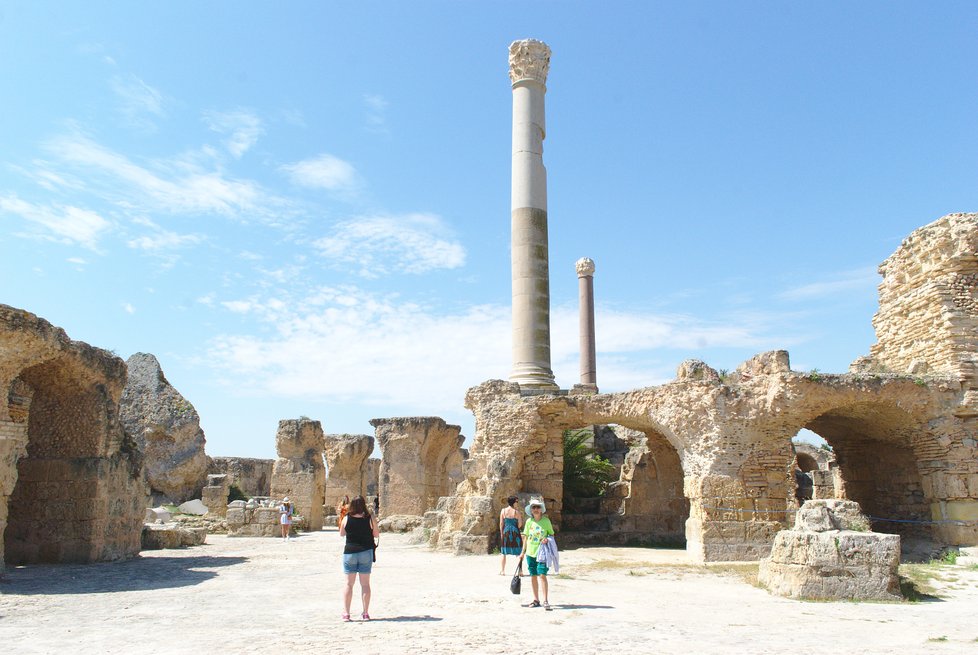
365, 617
547, 607
346, 618
535, 603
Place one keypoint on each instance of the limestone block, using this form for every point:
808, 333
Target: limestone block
252, 476
193, 507
346, 466
416, 462
817, 561
399, 523
166, 428
694, 370
470, 544
299, 472
171, 535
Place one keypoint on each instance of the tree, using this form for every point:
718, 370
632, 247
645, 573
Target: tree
586, 474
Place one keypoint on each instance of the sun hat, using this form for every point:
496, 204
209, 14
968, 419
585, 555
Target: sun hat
536, 501
285, 500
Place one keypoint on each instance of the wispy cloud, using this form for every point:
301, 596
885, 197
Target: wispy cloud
336, 344
161, 239
242, 127
860, 279
140, 103
378, 245
376, 112
323, 172
184, 185
62, 223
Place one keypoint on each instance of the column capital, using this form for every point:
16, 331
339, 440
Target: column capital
584, 266
529, 59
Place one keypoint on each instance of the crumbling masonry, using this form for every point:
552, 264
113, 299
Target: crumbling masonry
901, 422
71, 481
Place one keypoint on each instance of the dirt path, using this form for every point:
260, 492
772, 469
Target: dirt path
263, 595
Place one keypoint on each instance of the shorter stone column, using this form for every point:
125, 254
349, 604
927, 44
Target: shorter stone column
299, 472
215, 494
585, 277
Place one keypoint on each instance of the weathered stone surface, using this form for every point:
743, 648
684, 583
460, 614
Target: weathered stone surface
372, 476
831, 555
194, 506
928, 315
215, 494
155, 514
346, 466
399, 523
71, 481
171, 535
255, 520
421, 461
167, 428
252, 476
299, 472
905, 445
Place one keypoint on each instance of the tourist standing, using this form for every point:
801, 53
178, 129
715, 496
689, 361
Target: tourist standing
360, 530
536, 531
285, 512
342, 510
510, 522
377, 506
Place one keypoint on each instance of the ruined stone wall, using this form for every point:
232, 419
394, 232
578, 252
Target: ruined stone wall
299, 472
732, 441
252, 476
928, 313
372, 476
418, 457
346, 466
71, 482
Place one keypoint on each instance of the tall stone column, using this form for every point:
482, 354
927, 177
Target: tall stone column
585, 285
529, 63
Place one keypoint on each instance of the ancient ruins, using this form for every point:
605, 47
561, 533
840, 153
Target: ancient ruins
705, 461
167, 429
299, 472
72, 487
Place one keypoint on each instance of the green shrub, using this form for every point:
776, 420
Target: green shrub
586, 474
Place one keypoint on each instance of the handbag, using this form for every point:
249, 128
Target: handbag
516, 584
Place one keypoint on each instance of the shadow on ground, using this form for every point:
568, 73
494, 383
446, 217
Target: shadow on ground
407, 619
139, 574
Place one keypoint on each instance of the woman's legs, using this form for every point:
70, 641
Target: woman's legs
502, 567
364, 592
533, 583
348, 591
545, 587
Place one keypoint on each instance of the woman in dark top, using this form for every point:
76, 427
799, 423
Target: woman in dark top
360, 530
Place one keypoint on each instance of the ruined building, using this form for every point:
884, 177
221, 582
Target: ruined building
71, 481
902, 424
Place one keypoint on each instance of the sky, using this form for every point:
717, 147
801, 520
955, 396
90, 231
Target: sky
302, 209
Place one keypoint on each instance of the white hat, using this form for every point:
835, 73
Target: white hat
536, 501
285, 500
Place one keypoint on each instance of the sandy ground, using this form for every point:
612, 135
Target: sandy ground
263, 596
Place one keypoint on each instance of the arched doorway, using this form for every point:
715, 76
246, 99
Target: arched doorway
872, 444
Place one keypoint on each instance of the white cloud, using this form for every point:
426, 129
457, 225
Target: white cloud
376, 112
62, 223
128, 308
139, 101
161, 239
341, 344
323, 172
76, 260
180, 185
378, 245
242, 127
860, 279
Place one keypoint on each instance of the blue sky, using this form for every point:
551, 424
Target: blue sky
303, 208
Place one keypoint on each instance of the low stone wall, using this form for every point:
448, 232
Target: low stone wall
215, 494
253, 520
252, 476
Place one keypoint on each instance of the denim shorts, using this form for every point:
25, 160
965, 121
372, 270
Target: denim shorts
360, 562
534, 567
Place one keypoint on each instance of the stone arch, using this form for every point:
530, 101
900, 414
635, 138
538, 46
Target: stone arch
806, 463
71, 481
873, 442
